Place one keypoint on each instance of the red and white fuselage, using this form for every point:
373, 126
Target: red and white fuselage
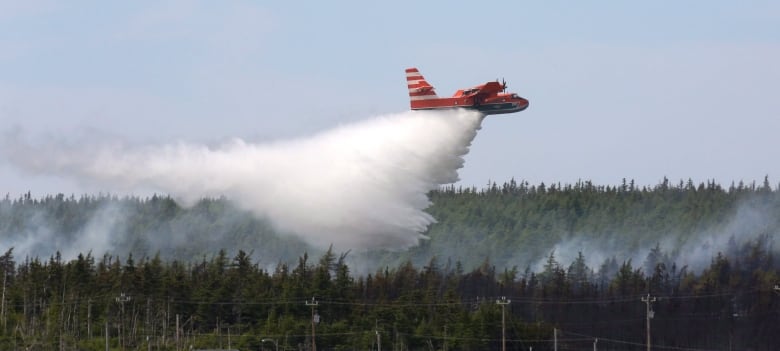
489, 98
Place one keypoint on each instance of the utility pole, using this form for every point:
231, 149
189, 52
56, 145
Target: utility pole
121, 299
503, 302
649, 313
445, 338
177, 332
313, 305
378, 336
555, 339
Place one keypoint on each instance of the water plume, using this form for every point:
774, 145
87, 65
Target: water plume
357, 186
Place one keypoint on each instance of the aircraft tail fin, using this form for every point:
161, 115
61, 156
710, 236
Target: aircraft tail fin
419, 89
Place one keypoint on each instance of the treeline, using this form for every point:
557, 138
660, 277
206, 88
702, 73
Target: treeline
576, 258
512, 224
516, 223
220, 302
141, 226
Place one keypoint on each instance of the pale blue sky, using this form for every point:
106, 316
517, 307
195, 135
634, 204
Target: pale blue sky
617, 89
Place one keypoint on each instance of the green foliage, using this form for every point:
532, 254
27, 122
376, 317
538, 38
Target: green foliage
65, 304
518, 224
227, 283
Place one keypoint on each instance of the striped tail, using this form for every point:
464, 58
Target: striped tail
419, 89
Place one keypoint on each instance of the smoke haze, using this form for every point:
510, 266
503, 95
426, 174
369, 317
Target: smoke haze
362, 185
751, 219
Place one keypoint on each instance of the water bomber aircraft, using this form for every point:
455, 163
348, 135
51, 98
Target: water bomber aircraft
490, 98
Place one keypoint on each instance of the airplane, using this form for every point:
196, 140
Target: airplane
490, 98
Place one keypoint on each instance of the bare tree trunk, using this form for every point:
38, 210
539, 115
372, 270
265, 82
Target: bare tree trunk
147, 328
75, 323
62, 318
134, 330
70, 320
2, 302
24, 309
47, 315
166, 316
89, 318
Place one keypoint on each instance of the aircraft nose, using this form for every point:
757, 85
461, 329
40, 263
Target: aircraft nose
523, 104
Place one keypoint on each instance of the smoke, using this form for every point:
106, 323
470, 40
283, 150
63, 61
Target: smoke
750, 219
753, 218
36, 234
359, 186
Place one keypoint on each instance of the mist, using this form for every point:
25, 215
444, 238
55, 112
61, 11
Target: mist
750, 220
357, 186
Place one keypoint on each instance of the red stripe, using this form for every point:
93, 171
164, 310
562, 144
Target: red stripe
410, 70
415, 78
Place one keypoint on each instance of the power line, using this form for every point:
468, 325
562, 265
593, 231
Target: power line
520, 300
636, 343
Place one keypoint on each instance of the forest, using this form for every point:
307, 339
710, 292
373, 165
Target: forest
496, 271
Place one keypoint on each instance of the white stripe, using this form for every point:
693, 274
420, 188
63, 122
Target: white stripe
412, 74
423, 97
413, 82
